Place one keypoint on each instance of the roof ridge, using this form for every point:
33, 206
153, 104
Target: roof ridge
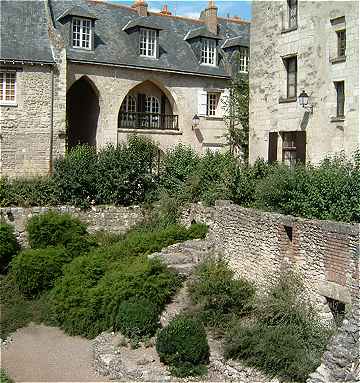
234, 20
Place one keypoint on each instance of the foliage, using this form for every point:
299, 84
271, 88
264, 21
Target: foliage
137, 318
4, 377
220, 297
37, 191
36, 270
76, 176
287, 339
8, 245
237, 116
183, 346
52, 229
126, 173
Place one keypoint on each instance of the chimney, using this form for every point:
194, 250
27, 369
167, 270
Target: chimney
209, 15
165, 11
141, 7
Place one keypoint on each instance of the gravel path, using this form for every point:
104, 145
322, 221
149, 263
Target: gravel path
47, 354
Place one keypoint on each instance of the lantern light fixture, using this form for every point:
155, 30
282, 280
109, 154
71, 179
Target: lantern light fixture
195, 121
304, 101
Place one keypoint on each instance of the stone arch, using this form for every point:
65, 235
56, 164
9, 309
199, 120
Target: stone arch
143, 93
82, 113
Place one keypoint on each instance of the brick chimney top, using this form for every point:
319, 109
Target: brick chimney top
141, 7
209, 15
165, 11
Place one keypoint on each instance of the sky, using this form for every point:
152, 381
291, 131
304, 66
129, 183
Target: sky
193, 8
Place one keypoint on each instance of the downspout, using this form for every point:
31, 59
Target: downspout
51, 149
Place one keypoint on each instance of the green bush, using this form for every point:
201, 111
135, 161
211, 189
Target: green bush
52, 229
220, 297
36, 191
126, 173
183, 346
76, 176
8, 245
137, 318
37, 270
4, 377
287, 339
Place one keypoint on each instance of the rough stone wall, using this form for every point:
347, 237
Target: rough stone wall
109, 218
259, 245
314, 43
113, 84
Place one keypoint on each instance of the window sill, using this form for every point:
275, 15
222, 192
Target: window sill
150, 131
286, 30
286, 100
214, 118
339, 59
337, 119
82, 49
212, 65
4, 103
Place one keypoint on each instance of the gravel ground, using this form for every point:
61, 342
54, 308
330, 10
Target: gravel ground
46, 354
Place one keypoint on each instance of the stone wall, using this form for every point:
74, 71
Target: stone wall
314, 43
259, 245
109, 218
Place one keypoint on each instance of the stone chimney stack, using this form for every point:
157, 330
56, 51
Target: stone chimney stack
209, 15
165, 11
141, 7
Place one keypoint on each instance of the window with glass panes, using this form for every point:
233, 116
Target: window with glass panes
148, 40
152, 105
208, 51
289, 148
212, 102
81, 35
291, 72
341, 37
292, 8
340, 98
244, 59
129, 104
8, 86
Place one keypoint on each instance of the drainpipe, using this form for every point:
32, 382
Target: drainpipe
51, 150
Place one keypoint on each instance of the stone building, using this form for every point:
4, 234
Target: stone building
86, 71
310, 46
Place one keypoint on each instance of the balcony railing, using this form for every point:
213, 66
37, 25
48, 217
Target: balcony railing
136, 120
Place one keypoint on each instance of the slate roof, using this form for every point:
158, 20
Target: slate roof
79, 12
201, 32
24, 32
235, 41
24, 24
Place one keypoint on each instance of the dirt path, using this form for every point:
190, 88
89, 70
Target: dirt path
47, 354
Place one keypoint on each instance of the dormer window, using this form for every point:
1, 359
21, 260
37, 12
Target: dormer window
244, 59
148, 42
208, 51
81, 33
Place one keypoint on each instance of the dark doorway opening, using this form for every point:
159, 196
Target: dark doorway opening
82, 113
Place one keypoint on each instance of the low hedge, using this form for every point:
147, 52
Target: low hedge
36, 270
183, 346
8, 245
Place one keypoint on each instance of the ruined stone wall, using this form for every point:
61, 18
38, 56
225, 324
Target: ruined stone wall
314, 42
109, 218
259, 245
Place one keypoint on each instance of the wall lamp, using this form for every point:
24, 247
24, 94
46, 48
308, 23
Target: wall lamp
195, 122
304, 101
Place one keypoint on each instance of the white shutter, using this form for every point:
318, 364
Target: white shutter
202, 102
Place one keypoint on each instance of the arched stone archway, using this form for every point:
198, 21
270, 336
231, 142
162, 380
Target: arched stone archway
148, 106
82, 113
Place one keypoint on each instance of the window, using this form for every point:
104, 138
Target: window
152, 105
292, 13
291, 69
212, 103
8, 87
208, 51
341, 39
340, 98
81, 35
244, 59
148, 42
129, 104
293, 147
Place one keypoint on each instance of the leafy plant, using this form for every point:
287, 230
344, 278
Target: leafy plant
183, 346
8, 245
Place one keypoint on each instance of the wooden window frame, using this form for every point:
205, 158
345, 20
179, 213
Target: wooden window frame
340, 99
7, 76
148, 43
84, 43
244, 59
208, 52
287, 65
212, 104
341, 43
292, 6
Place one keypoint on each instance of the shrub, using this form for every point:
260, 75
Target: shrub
137, 318
126, 173
183, 346
36, 270
8, 245
4, 377
287, 339
221, 298
76, 176
52, 229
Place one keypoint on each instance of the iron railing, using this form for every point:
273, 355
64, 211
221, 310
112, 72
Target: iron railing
138, 120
